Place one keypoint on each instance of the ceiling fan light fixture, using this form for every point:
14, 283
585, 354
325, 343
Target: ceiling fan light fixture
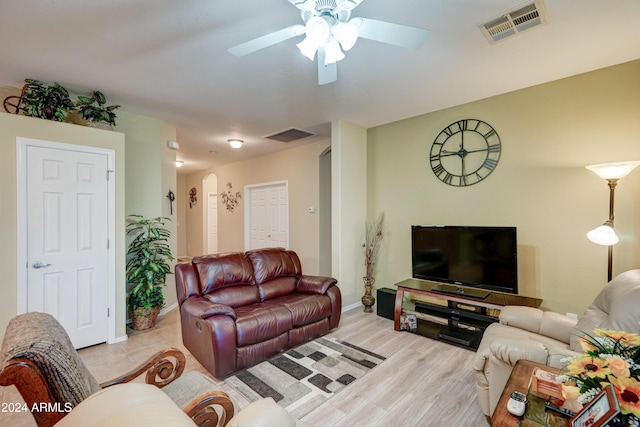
317, 33
346, 33
304, 4
348, 4
332, 52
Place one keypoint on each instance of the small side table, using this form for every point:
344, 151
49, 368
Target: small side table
518, 381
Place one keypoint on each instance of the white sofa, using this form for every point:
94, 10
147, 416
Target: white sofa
547, 337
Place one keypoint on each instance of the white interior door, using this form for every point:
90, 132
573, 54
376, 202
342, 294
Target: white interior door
268, 220
67, 240
212, 223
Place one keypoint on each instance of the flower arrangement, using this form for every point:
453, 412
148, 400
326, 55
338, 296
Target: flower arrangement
611, 357
371, 245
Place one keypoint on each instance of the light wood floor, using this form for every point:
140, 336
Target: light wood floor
422, 383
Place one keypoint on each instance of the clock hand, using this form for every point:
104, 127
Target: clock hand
444, 153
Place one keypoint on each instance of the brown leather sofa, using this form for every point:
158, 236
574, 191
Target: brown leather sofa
238, 309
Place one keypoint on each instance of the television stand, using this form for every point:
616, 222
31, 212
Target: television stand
453, 315
461, 290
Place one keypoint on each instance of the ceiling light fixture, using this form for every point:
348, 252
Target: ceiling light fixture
179, 163
235, 143
328, 33
605, 234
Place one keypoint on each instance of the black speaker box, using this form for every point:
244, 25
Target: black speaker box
386, 299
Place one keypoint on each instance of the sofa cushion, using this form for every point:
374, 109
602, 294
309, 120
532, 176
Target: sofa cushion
234, 296
221, 270
272, 263
259, 322
304, 308
277, 287
615, 307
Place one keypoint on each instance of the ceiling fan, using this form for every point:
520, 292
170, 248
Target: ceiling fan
330, 31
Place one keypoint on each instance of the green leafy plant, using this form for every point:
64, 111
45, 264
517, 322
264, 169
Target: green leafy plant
148, 261
46, 102
93, 108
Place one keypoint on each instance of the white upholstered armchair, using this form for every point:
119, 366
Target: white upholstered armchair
546, 337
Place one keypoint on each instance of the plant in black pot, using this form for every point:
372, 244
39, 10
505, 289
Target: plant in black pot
147, 266
46, 102
95, 111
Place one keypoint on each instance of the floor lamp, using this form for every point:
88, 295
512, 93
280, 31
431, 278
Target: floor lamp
605, 234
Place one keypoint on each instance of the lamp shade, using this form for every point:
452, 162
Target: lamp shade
332, 52
603, 235
317, 33
346, 33
616, 170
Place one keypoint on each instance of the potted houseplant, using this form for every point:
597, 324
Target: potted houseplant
46, 102
147, 266
95, 112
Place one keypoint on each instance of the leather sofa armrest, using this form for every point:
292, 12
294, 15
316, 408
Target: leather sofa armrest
527, 318
510, 351
203, 308
315, 284
547, 323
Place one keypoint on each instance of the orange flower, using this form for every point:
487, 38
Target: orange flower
588, 365
619, 367
628, 394
570, 392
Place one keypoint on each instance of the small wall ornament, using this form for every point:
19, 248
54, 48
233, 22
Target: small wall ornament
229, 199
193, 199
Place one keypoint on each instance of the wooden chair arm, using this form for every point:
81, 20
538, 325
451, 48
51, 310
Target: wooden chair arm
202, 410
31, 384
162, 368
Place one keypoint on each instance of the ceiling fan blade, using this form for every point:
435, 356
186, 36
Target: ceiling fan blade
267, 40
396, 34
326, 73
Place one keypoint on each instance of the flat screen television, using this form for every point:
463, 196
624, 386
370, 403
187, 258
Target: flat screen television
479, 257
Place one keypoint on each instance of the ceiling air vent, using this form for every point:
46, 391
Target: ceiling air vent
289, 135
515, 21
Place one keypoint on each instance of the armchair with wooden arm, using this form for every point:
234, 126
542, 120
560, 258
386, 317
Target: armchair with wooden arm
39, 359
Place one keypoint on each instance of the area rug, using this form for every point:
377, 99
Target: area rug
305, 377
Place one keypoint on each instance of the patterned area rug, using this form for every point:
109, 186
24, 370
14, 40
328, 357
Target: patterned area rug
305, 377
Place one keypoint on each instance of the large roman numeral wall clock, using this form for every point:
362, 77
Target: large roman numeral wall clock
465, 152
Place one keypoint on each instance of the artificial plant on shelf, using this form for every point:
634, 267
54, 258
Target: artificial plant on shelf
94, 109
147, 266
371, 248
50, 102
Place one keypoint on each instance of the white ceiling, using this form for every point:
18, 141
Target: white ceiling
168, 59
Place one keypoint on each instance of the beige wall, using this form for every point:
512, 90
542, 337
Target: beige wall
298, 166
548, 133
180, 207
151, 174
349, 207
145, 171
13, 126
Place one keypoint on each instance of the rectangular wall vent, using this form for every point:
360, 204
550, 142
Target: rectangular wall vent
515, 21
289, 135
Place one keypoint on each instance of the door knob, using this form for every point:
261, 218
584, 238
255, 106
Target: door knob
39, 264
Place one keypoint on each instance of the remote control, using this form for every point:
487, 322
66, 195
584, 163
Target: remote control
517, 403
562, 411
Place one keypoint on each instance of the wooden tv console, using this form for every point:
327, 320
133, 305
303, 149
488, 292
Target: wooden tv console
453, 313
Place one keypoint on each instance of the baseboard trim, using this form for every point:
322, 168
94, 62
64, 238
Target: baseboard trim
168, 309
351, 306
